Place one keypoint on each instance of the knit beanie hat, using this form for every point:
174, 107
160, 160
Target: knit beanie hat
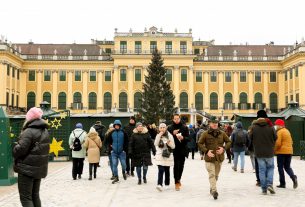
262, 114
33, 113
280, 122
92, 130
138, 124
162, 125
79, 126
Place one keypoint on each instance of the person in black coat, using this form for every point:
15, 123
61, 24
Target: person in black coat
181, 136
140, 147
31, 155
100, 129
129, 130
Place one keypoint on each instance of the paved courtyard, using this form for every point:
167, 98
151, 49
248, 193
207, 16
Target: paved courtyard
235, 189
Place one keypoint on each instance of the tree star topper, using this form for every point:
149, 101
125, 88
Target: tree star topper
55, 147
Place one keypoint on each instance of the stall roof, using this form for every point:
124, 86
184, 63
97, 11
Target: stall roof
292, 110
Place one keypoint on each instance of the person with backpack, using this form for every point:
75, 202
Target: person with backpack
93, 144
240, 143
76, 141
31, 157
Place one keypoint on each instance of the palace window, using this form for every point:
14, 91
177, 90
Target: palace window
258, 76
228, 76
213, 75
243, 76
32, 74
199, 101
199, 76
92, 75
168, 47
107, 75
138, 47
47, 75
123, 47
153, 46
137, 74
62, 100
183, 47
169, 75
213, 101
92, 100
123, 74
183, 75
62, 75
77, 75
273, 77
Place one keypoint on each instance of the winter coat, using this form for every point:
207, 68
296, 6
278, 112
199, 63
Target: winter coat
192, 143
118, 141
31, 154
181, 149
238, 148
100, 130
152, 132
283, 144
93, 144
140, 147
107, 141
212, 140
81, 134
263, 137
129, 129
160, 160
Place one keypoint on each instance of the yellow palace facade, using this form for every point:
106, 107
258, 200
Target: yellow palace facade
105, 77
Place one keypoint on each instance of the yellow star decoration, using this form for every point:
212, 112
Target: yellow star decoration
11, 134
63, 115
56, 123
56, 147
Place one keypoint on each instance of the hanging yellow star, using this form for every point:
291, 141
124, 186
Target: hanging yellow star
55, 147
63, 115
56, 123
11, 134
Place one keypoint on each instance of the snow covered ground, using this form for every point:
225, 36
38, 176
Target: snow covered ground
235, 189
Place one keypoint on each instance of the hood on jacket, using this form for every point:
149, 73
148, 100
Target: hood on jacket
93, 135
117, 122
261, 122
36, 123
239, 125
144, 131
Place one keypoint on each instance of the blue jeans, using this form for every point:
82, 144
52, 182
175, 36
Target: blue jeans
242, 159
266, 171
115, 161
139, 172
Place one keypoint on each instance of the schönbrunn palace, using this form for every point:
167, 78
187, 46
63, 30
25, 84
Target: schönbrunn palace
105, 77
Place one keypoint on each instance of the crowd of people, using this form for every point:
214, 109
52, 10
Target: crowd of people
135, 144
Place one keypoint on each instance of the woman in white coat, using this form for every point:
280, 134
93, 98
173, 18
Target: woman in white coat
165, 144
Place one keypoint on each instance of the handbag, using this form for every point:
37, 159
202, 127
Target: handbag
166, 153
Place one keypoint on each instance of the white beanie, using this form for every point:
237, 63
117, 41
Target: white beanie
92, 130
162, 125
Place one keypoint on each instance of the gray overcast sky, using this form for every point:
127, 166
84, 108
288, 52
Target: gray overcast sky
236, 21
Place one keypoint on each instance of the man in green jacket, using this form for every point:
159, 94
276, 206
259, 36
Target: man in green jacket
214, 143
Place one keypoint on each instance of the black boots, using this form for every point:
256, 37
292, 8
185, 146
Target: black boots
115, 180
215, 195
79, 176
139, 182
124, 176
90, 177
295, 182
145, 180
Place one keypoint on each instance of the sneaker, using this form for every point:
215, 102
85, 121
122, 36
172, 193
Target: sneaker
127, 174
166, 187
112, 178
145, 180
159, 188
281, 186
264, 192
295, 182
270, 189
116, 180
215, 195
139, 182
177, 187
124, 176
234, 168
242, 171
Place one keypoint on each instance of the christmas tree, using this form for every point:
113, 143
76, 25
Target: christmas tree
158, 100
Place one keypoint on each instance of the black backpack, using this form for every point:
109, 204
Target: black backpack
240, 138
77, 145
